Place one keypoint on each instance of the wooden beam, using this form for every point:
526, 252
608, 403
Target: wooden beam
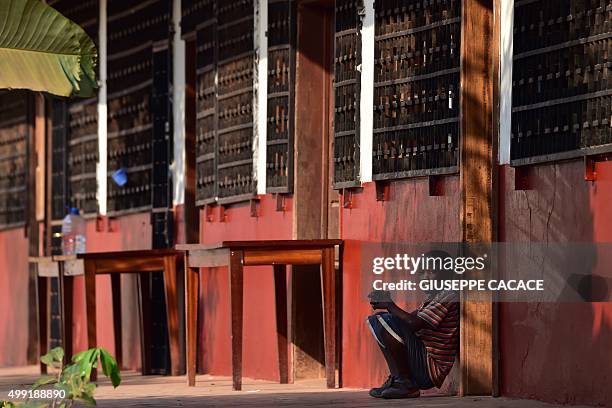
192, 222
260, 94
101, 170
310, 199
32, 230
479, 47
40, 136
178, 106
48, 171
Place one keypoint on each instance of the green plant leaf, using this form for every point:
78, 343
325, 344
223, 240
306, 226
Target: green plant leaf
87, 398
110, 367
54, 355
47, 359
79, 356
46, 379
42, 50
87, 361
57, 353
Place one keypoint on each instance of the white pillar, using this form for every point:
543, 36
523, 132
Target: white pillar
366, 99
505, 115
178, 106
101, 169
260, 96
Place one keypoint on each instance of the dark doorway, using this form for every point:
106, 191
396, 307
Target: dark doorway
315, 203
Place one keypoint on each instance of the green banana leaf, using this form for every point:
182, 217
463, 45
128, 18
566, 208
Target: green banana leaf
42, 50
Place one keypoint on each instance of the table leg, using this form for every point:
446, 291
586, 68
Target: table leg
117, 323
328, 286
172, 312
280, 294
192, 288
236, 293
90, 307
66, 293
43, 338
144, 288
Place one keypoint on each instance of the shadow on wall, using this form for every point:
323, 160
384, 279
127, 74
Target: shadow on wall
13, 297
409, 215
558, 352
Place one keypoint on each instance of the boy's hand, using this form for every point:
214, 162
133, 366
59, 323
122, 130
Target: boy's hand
380, 299
385, 305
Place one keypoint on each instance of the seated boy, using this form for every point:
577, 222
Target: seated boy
419, 347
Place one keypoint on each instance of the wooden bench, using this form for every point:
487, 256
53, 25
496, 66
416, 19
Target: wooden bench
47, 268
238, 254
114, 264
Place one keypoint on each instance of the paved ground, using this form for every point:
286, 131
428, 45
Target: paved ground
157, 391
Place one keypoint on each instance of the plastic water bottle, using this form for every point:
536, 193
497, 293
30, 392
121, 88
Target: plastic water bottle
73, 233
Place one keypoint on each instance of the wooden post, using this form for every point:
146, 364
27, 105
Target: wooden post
117, 323
192, 221
43, 335
192, 297
172, 314
36, 132
90, 308
328, 287
280, 296
311, 200
479, 47
236, 302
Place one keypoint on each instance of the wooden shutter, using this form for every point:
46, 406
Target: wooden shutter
75, 131
224, 92
282, 29
13, 159
347, 58
134, 27
416, 88
561, 89
206, 106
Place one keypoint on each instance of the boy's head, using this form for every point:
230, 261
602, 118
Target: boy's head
433, 266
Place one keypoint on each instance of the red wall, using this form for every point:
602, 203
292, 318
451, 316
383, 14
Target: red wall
13, 297
259, 326
410, 215
557, 352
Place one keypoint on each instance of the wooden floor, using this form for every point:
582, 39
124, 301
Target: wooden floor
158, 391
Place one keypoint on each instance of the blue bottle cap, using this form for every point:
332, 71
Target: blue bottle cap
120, 177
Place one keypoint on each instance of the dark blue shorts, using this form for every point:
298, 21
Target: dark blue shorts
401, 332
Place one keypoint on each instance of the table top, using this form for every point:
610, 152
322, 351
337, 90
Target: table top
139, 253
40, 259
264, 244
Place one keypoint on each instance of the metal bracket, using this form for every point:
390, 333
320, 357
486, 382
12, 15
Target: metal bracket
382, 190
590, 173
101, 223
281, 204
436, 185
522, 178
255, 207
347, 198
113, 224
209, 213
222, 214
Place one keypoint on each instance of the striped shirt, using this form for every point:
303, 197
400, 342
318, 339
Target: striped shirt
441, 338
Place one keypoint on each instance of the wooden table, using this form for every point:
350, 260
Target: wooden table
114, 264
237, 254
47, 268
